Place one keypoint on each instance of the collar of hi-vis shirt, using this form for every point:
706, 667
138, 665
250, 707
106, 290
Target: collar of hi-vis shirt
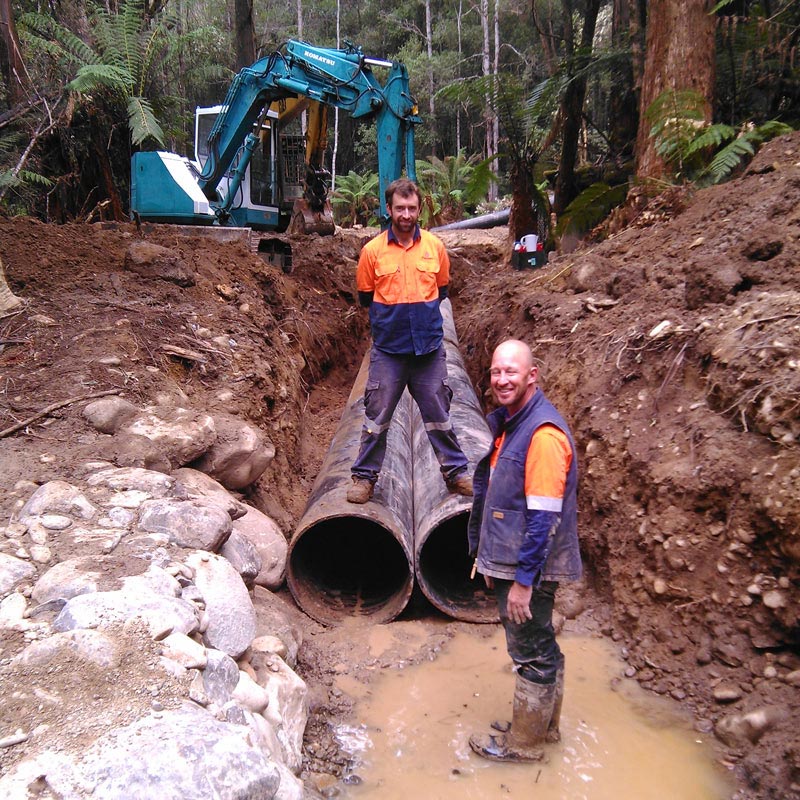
392, 238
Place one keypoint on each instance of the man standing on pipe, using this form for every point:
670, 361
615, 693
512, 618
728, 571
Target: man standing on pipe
523, 534
402, 276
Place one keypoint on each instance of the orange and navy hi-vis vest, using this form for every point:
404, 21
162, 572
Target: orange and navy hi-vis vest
406, 286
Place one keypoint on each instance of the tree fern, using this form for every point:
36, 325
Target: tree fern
355, 197
125, 50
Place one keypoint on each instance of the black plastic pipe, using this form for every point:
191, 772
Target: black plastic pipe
441, 562
492, 220
349, 560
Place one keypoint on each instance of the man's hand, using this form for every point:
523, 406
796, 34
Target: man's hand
519, 603
489, 581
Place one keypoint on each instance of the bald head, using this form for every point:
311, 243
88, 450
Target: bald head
514, 349
513, 375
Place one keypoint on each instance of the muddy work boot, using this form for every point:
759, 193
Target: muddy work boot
533, 710
553, 731
360, 491
460, 484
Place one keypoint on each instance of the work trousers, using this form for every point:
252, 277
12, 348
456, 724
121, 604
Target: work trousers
426, 379
532, 644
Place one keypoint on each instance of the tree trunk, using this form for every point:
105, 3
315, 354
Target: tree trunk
572, 107
679, 55
623, 102
431, 83
488, 116
8, 301
496, 72
12, 65
459, 17
336, 110
523, 219
104, 164
245, 34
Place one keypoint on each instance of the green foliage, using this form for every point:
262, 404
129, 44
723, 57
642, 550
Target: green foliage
590, 207
455, 183
697, 151
131, 60
127, 47
740, 149
22, 178
355, 199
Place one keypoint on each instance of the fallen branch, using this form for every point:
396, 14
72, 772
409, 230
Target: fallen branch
45, 411
764, 319
41, 131
182, 352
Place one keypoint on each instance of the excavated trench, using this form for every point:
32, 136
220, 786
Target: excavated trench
346, 559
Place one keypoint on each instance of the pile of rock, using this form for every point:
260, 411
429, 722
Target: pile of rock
145, 655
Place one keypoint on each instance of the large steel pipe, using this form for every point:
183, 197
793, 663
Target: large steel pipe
349, 560
441, 562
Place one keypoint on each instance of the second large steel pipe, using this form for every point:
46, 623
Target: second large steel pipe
441, 561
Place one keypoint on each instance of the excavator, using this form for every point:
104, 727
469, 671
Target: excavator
250, 171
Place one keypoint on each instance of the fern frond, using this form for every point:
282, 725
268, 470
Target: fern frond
728, 159
93, 76
768, 130
590, 207
131, 22
8, 180
46, 29
741, 150
675, 104
713, 136
34, 179
152, 45
143, 123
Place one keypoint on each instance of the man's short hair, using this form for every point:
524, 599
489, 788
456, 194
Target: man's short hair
403, 187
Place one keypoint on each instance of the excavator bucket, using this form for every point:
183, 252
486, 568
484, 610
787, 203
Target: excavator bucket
312, 212
306, 220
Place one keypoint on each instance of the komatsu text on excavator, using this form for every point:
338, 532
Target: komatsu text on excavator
250, 171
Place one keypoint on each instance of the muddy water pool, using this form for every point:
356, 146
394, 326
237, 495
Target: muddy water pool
411, 729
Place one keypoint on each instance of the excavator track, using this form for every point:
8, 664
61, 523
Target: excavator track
272, 249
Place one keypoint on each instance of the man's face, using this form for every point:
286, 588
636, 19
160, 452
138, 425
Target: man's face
405, 213
513, 378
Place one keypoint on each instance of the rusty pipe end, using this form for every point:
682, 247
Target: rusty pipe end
443, 569
349, 566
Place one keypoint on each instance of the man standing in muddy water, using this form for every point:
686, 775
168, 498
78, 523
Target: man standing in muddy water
523, 535
402, 276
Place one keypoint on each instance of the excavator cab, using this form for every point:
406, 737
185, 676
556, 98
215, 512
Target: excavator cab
257, 204
285, 184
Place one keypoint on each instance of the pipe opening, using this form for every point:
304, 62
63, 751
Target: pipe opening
349, 566
443, 569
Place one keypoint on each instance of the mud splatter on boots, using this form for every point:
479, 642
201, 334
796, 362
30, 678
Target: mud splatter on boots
533, 710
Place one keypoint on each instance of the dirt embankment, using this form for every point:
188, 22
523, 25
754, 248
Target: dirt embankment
673, 348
